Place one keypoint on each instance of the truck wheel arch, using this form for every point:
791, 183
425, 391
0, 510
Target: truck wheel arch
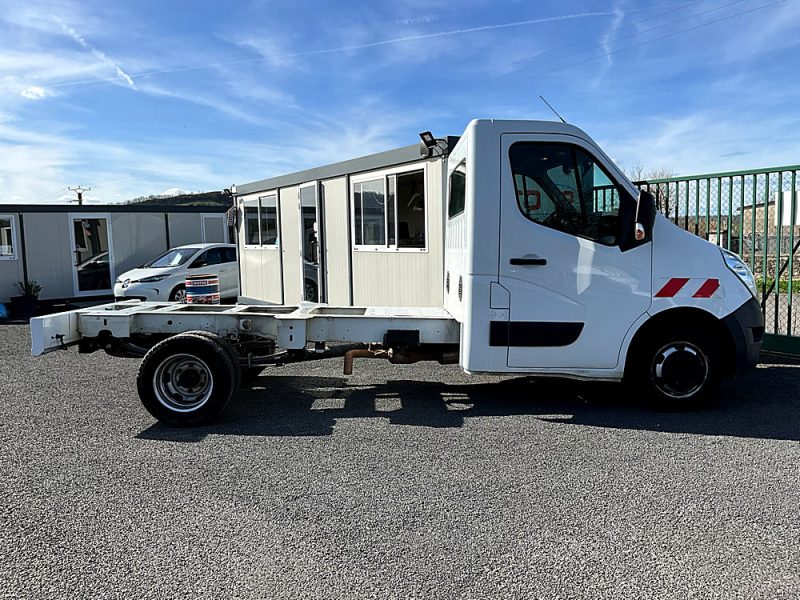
664, 320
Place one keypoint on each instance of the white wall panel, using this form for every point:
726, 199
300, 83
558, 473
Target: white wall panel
337, 245
291, 247
185, 228
49, 255
136, 238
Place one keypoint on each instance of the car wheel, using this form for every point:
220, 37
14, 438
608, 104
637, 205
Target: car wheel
178, 294
310, 291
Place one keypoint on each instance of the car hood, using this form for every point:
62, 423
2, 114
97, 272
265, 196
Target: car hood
137, 274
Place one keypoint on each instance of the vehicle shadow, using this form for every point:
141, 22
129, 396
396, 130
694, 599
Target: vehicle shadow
762, 404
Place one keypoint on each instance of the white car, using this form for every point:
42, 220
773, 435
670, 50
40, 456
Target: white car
163, 277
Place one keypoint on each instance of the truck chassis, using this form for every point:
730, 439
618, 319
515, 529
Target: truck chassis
195, 356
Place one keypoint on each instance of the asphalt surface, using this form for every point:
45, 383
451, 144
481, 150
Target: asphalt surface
399, 482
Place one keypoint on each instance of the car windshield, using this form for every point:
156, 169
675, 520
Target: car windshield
99, 259
172, 258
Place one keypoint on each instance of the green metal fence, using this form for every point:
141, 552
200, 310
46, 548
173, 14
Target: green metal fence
755, 214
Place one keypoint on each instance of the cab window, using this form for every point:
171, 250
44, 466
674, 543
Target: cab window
563, 187
458, 191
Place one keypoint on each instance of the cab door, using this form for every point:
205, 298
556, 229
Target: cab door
574, 292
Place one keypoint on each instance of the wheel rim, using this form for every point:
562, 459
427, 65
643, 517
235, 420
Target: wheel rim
680, 369
180, 296
311, 293
183, 383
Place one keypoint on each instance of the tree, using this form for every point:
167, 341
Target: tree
642, 176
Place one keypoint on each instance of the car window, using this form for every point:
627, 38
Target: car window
172, 258
228, 255
212, 256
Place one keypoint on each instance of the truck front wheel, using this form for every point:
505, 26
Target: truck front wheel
679, 369
186, 380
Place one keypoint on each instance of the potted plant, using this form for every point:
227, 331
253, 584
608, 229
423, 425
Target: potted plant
24, 306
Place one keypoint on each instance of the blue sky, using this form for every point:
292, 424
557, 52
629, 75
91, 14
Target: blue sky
134, 98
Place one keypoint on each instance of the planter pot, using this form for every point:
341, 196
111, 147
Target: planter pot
23, 307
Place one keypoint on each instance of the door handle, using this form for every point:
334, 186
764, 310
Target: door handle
525, 261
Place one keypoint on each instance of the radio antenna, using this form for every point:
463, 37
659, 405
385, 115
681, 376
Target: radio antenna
553, 109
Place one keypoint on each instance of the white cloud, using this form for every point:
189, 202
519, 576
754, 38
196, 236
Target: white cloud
708, 141
34, 92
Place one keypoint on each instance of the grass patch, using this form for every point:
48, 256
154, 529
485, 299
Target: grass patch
783, 285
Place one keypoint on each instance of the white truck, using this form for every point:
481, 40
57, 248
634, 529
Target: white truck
556, 265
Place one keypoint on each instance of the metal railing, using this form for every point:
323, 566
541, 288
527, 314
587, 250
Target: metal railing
755, 214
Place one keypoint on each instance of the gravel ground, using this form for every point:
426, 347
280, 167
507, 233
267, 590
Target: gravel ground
399, 482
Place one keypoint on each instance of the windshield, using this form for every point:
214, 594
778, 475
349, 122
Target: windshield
93, 261
172, 258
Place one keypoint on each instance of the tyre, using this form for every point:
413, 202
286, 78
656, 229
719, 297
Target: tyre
230, 351
679, 369
186, 379
178, 294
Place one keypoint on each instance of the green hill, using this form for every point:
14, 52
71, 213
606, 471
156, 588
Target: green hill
202, 199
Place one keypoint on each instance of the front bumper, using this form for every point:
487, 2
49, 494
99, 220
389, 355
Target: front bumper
746, 327
136, 291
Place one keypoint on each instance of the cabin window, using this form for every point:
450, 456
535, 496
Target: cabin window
458, 191
389, 212
8, 249
269, 220
410, 207
563, 187
251, 225
261, 221
370, 205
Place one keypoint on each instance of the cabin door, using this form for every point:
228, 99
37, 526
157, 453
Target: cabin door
311, 220
92, 255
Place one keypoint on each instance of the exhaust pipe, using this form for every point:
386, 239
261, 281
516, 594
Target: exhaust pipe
350, 355
444, 356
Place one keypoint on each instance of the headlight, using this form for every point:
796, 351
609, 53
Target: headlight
152, 279
741, 270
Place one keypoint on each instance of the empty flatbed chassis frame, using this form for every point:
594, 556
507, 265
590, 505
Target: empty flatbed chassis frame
291, 327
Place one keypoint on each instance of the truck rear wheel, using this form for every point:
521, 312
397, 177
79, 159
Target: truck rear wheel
186, 379
679, 369
231, 352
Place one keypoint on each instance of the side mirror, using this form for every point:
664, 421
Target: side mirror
645, 216
198, 264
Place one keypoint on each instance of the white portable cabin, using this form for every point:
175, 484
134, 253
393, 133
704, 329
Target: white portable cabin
78, 251
362, 232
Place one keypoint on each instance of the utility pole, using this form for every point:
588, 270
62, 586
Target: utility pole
79, 190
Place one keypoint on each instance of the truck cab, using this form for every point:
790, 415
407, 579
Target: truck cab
556, 264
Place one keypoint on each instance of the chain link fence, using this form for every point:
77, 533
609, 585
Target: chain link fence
753, 213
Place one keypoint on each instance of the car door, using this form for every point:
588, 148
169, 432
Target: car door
208, 262
229, 272
574, 293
